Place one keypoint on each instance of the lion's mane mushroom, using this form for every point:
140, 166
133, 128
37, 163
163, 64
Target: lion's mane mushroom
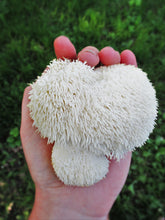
91, 114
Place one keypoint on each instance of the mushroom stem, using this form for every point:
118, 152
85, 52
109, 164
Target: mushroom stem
77, 167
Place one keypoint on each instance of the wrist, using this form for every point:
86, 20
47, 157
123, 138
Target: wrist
44, 207
47, 205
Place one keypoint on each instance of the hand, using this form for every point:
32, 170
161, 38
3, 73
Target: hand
53, 199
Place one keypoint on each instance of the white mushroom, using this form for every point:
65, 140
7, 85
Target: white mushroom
78, 167
91, 114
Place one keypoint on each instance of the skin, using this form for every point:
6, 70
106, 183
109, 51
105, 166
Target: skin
90, 55
108, 56
91, 48
128, 57
64, 48
53, 199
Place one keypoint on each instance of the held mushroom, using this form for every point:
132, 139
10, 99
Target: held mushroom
91, 114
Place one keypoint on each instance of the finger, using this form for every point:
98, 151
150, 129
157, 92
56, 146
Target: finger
128, 57
26, 121
109, 56
37, 151
28, 131
64, 48
29, 136
88, 48
89, 55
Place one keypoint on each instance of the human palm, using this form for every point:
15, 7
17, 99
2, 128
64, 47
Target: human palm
69, 202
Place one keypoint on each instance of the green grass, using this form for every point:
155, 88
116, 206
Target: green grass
27, 32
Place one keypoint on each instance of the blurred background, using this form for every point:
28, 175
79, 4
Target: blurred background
28, 29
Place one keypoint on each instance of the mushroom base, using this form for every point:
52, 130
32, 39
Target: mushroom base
78, 168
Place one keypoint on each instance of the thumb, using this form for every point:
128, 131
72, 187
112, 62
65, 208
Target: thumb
36, 150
